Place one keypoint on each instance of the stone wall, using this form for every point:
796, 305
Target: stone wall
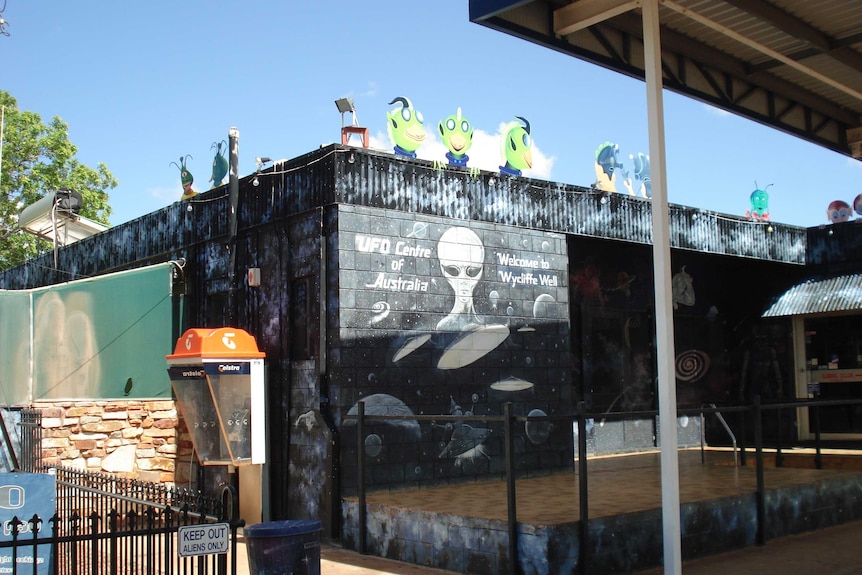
141, 439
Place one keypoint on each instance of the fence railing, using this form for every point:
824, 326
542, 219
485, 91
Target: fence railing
107, 525
30, 458
755, 412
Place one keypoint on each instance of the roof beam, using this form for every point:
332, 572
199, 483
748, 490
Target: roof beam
795, 27
688, 13
689, 49
584, 13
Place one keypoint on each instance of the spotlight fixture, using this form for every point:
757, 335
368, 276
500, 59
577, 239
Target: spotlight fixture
255, 182
261, 161
345, 105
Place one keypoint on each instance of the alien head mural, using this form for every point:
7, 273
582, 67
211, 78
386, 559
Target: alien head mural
186, 178
857, 206
456, 133
220, 165
759, 200
516, 148
462, 258
448, 313
839, 211
406, 127
682, 286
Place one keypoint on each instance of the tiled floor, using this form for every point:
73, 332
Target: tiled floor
617, 485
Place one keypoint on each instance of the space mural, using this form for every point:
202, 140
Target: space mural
441, 317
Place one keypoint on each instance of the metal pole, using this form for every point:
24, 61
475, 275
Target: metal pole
758, 450
360, 473
510, 490
2, 120
663, 299
583, 494
818, 458
233, 200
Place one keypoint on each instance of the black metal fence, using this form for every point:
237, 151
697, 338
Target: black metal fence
105, 525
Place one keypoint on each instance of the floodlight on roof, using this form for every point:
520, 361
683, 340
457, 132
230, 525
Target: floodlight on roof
345, 105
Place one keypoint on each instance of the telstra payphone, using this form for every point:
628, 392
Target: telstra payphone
218, 379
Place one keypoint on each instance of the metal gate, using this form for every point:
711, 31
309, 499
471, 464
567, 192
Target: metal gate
106, 525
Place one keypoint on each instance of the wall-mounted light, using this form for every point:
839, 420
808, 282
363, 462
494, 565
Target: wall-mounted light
261, 161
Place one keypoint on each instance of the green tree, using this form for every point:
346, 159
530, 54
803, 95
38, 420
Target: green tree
37, 159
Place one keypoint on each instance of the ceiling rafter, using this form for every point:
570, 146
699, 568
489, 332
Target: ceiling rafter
811, 90
820, 42
690, 49
741, 38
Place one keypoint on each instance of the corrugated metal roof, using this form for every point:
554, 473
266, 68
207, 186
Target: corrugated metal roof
795, 65
816, 296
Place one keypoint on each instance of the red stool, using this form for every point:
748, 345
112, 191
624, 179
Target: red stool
347, 131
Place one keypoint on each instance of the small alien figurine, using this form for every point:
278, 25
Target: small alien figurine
456, 132
406, 128
838, 211
607, 165
517, 148
186, 177
642, 174
220, 166
759, 200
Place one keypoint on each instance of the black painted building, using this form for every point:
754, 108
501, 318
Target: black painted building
424, 291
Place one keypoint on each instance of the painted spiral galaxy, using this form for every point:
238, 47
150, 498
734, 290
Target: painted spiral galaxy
691, 365
380, 311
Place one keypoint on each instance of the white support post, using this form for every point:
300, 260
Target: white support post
663, 295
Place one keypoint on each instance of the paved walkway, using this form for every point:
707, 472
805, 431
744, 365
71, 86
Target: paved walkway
832, 551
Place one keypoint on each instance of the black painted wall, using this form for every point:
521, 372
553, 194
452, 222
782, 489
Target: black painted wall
314, 226
439, 317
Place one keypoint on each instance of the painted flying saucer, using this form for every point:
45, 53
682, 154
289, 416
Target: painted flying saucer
473, 345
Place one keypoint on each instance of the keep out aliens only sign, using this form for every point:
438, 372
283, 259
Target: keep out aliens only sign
208, 539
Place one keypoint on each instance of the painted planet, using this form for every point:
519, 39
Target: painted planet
385, 404
537, 431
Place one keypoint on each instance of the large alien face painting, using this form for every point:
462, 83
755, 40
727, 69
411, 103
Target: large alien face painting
462, 256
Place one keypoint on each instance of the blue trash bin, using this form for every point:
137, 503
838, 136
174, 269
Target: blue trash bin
290, 547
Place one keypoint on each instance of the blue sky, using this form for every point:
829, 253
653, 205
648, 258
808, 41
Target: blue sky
141, 84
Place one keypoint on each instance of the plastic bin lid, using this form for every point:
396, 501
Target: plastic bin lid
282, 528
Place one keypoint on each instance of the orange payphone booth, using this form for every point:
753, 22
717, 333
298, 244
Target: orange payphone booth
218, 379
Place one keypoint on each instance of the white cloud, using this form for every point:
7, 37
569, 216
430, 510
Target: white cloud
716, 111
372, 89
167, 195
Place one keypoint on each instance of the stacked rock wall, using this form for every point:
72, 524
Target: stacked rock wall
140, 439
